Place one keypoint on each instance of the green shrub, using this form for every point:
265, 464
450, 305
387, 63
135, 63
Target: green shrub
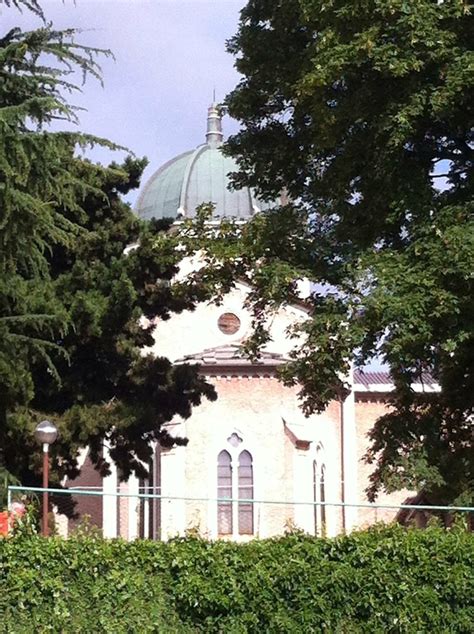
380, 580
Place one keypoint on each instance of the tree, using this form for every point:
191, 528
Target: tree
76, 308
363, 112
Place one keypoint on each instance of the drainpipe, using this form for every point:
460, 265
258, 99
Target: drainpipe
343, 451
349, 457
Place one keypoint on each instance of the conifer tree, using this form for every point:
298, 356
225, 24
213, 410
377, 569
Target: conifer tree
76, 309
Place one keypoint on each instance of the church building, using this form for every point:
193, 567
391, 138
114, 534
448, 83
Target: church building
254, 442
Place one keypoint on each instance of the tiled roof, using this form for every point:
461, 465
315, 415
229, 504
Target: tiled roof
365, 377
232, 355
381, 381
367, 381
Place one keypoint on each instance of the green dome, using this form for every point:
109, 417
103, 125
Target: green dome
196, 177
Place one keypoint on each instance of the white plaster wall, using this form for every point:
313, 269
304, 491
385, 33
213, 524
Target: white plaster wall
323, 432
252, 407
191, 332
368, 408
245, 405
174, 485
350, 463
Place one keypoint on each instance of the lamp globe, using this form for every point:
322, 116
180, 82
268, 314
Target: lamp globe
46, 432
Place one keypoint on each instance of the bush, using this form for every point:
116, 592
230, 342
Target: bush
380, 580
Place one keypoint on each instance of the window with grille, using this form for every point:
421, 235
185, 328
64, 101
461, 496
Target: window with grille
235, 481
224, 490
245, 475
319, 496
228, 323
315, 497
322, 498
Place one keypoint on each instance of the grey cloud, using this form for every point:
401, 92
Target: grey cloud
170, 55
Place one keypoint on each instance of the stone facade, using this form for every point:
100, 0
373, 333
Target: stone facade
295, 460
255, 432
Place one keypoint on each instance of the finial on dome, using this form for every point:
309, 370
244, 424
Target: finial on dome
214, 136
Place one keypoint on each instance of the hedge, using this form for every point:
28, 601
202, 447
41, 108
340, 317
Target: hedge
380, 580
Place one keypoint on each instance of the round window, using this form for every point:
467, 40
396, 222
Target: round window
228, 323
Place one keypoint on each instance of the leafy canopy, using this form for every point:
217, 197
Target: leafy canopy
363, 112
386, 579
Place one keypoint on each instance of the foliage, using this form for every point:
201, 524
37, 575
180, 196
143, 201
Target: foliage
381, 580
34, 181
76, 309
108, 390
363, 112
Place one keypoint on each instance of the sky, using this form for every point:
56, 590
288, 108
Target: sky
169, 58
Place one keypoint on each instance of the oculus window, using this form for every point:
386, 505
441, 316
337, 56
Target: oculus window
228, 323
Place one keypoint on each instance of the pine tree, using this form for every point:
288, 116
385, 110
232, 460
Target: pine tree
72, 299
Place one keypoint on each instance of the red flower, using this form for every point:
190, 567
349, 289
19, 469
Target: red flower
4, 523
8, 519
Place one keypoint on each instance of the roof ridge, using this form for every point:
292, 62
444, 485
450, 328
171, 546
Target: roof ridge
230, 353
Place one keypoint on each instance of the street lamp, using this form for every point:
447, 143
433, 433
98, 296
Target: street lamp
45, 433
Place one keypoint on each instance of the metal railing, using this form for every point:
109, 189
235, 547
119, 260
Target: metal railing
139, 513
361, 505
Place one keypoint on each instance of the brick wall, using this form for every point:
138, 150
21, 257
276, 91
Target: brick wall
369, 407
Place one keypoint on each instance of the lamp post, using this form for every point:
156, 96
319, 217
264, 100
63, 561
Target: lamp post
45, 433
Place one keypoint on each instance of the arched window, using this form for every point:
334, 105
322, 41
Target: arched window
322, 498
245, 493
235, 517
224, 490
315, 496
319, 497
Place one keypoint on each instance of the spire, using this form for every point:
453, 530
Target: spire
214, 136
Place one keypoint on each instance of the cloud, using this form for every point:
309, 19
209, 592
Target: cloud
169, 56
